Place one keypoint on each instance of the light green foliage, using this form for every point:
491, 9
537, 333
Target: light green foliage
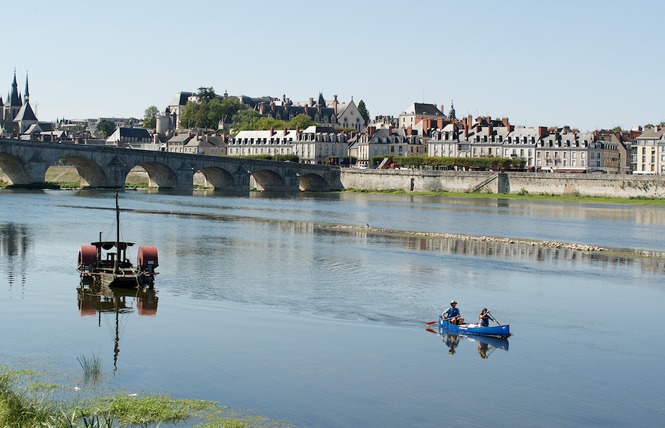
301, 121
495, 164
245, 120
105, 127
150, 117
92, 368
208, 110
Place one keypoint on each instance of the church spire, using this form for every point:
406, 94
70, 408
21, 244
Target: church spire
26, 93
14, 98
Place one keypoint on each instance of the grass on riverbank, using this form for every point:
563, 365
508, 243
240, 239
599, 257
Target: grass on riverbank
520, 196
25, 401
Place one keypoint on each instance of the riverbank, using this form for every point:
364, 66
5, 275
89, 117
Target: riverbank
521, 196
29, 398
504, 183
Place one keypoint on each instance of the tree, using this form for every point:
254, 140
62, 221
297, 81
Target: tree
363, 111
205, 94
105, 127
150, 117
301, 121
245, 120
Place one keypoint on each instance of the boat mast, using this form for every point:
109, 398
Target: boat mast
117, 234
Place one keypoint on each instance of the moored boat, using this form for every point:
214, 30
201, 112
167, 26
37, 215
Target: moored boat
496, 331
107, 262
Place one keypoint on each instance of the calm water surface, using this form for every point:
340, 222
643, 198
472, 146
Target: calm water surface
258, 308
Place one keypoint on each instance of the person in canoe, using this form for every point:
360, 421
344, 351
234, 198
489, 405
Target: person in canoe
452, 314
484, 317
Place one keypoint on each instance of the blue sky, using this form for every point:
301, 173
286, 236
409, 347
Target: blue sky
587, 64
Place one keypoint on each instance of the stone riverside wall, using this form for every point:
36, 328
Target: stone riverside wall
609, 185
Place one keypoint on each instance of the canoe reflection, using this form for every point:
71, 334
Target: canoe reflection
94, 299
485, 345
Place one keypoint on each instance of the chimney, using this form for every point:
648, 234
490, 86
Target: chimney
542, 132
506, 123
335, 104
262, 107
371, 130
311, 101
272, 131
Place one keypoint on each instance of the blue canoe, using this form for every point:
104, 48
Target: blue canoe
496, 331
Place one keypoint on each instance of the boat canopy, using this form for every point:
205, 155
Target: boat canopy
107, 245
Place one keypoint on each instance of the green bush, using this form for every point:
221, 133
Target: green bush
475, 164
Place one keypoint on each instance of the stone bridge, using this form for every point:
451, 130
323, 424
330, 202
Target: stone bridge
26, 162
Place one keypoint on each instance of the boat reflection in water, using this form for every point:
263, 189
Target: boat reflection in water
95, 299
485, 345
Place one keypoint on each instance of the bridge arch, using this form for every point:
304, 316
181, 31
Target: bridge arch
14, 170
267, 180
92, 174
160, 175
313, 183
217, 178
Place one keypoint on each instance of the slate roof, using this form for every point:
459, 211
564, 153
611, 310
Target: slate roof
180, 139
181, 98
25, 113
139, 133
122, 133
424, 109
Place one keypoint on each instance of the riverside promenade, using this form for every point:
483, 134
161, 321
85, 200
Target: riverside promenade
546, 183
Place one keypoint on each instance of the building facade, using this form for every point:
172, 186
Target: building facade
649, 153
316, 144
387, 142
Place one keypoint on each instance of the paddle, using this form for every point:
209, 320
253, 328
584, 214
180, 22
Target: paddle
493, 319
431, 322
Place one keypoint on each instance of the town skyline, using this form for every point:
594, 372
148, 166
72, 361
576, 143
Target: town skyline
589, 65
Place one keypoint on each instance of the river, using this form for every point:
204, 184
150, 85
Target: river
259, 305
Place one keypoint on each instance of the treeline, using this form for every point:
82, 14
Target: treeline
211, 112
479, 164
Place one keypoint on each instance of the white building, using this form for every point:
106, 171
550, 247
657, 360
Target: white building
316, 143
269, 142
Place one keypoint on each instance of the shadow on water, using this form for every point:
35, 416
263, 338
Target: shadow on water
98, 299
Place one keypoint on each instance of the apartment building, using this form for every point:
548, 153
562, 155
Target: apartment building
649, 152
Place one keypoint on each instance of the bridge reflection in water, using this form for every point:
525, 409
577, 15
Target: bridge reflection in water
98, 300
